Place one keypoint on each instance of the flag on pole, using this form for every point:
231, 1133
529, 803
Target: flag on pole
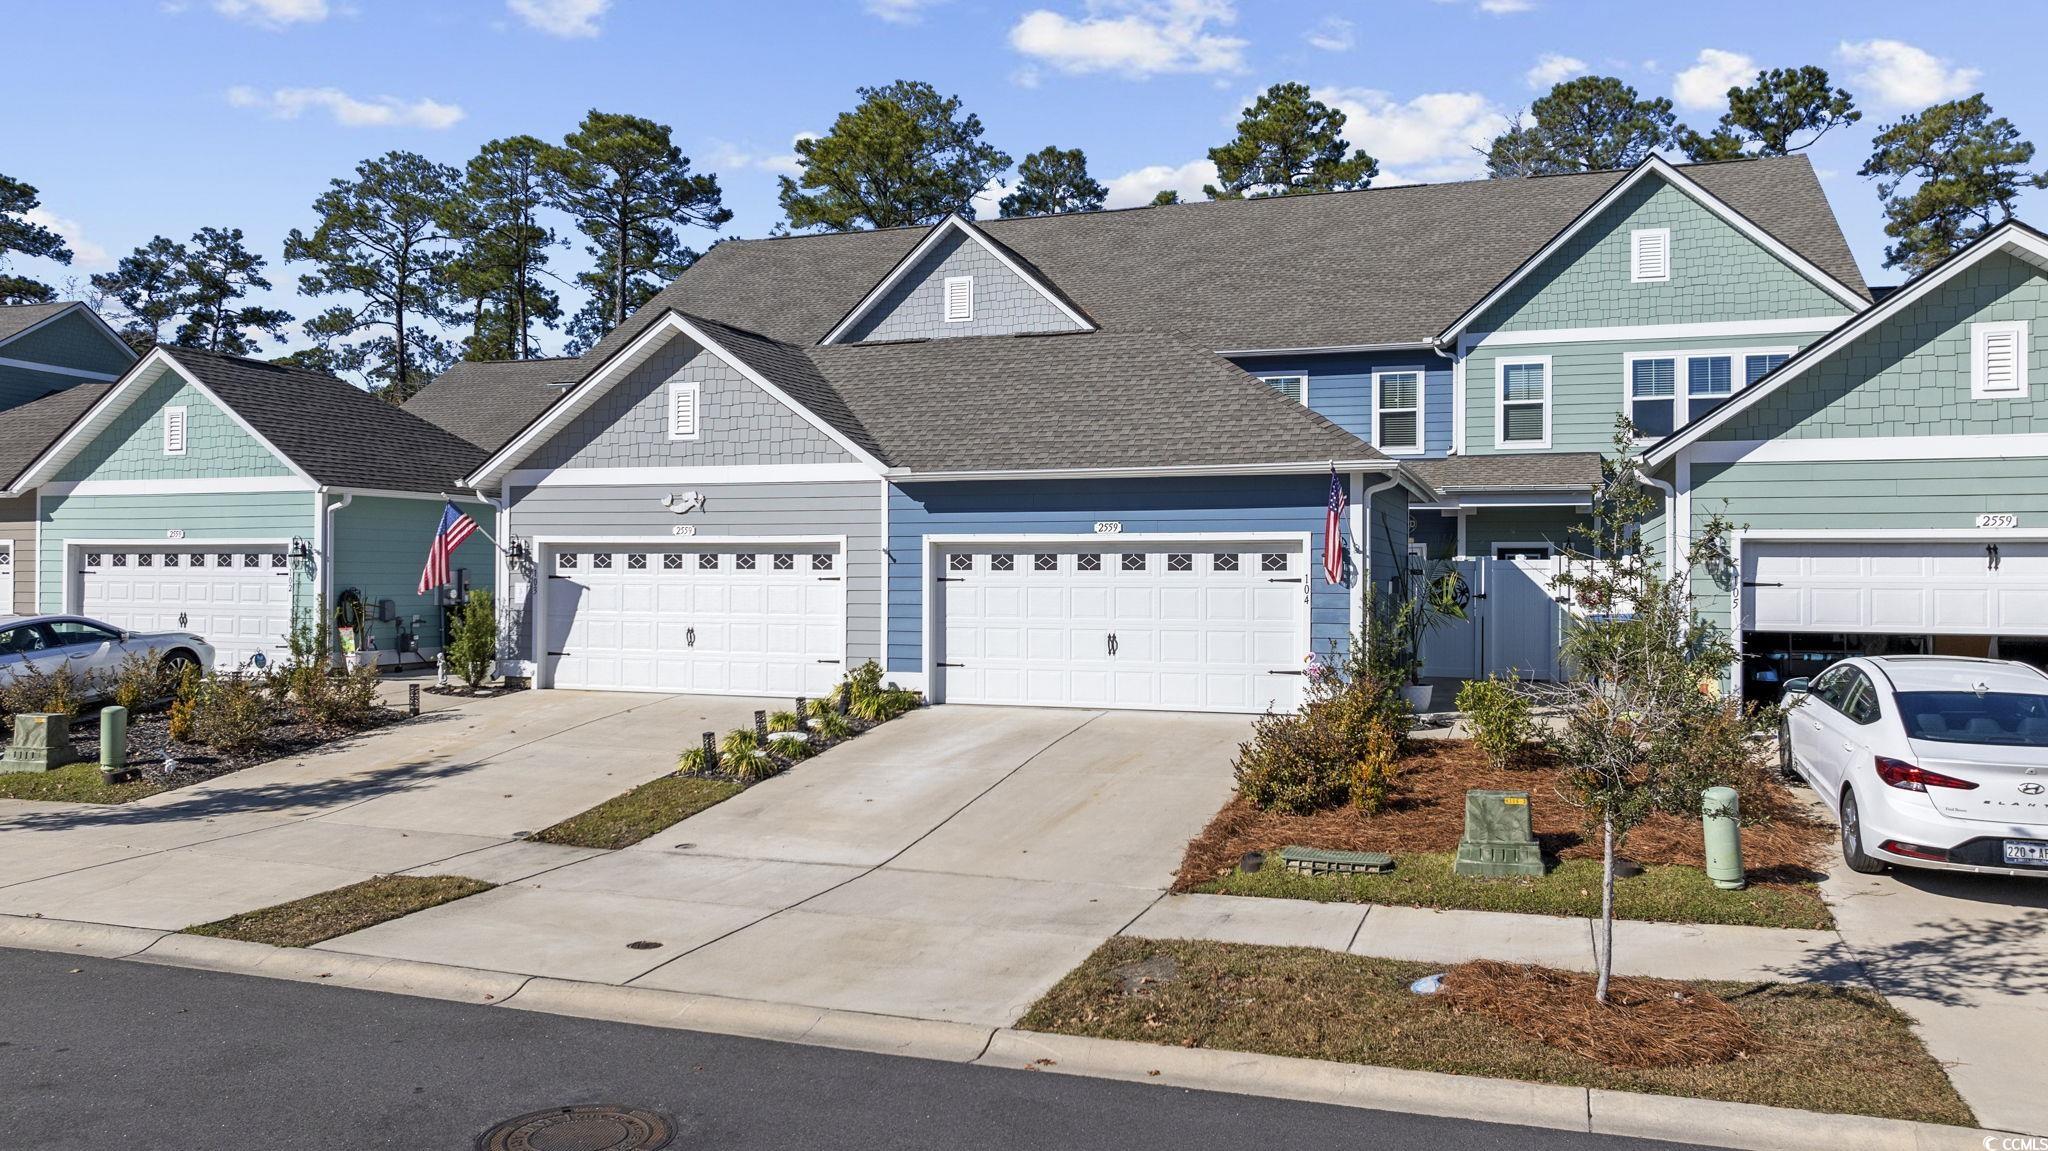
1333, 530
455, 527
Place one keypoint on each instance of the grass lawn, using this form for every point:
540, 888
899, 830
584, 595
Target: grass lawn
76, 783
1818, 1047
304, 922
1664, 893
625, 820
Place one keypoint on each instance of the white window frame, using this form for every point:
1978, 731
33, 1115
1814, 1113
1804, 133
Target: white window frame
1548, 549
1421, 408
1302, 376
179, 418
946, 303
1500, 404
695, 391
1979, 333
1635, 255
1681, 396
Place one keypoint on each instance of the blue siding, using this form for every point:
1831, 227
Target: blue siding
1071, 507
1340, 388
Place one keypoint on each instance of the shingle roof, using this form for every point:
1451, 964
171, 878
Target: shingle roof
1102, 400
488, 403
32, 427
18, 318
338, 433
1383, 265
1509, 471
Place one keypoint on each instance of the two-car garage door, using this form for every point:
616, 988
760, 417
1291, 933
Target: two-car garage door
1192, 626
1983, 586
237, 597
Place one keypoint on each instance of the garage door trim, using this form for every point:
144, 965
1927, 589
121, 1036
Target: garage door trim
937, 545
544, 548
75, 550
1742, 538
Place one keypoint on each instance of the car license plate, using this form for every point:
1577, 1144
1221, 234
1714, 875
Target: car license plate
2026, 853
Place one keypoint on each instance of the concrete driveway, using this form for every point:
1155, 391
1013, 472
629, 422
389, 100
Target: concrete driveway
951, 865
455, 787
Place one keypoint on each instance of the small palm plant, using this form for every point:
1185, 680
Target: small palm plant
740, 753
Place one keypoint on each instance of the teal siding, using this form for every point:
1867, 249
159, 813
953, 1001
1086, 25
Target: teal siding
379, 547
1910, 375
243, 515
18, 528
1489, 526
132, 448
1717, 274
19, 385
74, 341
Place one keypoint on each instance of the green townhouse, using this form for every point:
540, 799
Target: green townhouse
55, 359
1888, 484
232, 498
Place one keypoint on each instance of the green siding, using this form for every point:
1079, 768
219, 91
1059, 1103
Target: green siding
1910, 375
241, 515
73, 342
132, 448
379, 547
1717, 274
1489, 526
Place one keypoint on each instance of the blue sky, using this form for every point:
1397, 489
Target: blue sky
151, 117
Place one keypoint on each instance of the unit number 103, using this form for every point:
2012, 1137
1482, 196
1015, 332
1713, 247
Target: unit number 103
1998, 520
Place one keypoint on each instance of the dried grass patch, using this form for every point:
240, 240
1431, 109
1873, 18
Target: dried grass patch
1644, 1023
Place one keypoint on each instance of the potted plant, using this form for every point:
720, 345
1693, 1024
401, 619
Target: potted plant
1432, 600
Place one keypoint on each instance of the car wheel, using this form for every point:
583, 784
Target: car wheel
1852, 839
175, 664
1786, 767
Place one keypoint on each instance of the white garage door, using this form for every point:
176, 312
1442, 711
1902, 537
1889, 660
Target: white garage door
238, 598
767, 620
1193, 627
1930, 587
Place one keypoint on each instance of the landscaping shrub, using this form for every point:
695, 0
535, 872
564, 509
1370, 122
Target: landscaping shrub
352, 696
184, 716
34, 691
830, 726
785, 721
1373, 781
1499, 715
692, 761
233, 713
872, 700
139, 681
794, 746
741, 756
474, 646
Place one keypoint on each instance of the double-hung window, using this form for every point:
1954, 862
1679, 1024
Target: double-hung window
1708, 381
1665, 391
1653, 395
1757, 365
1397, 410
1523, 402
1293, 387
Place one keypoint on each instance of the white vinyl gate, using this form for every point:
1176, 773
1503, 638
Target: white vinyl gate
236, 597
6, 577
1181, 626
753, 619
1512, 623
1930, 587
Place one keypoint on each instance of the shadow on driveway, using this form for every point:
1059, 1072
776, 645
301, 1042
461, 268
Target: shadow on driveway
234, 800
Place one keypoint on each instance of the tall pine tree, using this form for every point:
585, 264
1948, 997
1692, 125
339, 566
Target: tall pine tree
21, 236
1589, 124
1970, 166
503, 250
1051, 181
904, 155
1288, 142
1784, 111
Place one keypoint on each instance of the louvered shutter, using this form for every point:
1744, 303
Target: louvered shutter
682, 411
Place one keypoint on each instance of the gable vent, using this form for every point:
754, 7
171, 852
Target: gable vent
1649, 255
682, 410
959, 299
174, 431
1998, 360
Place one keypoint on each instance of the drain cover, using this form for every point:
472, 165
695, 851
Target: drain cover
593, 1127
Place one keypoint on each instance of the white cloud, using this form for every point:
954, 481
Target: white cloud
569, 19
900, 11
273, 13
1134, 38
348, 111
1552, 69
1705, 85
86, 256
1431, 137
1895, 74
725, 156
1333, 34
1137, 187
1506, 7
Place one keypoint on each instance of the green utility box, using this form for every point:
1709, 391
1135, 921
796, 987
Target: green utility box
1497, 839
41, 743
1316, 861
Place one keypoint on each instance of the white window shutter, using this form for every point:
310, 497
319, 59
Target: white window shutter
959, 299
682, 411
1998, 360
174, 431
1649, 255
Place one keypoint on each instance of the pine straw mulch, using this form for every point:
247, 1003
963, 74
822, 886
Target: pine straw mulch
1782, 842
1644, 1023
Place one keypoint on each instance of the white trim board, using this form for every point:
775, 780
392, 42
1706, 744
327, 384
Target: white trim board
931, 239
659, 475
1662, 168
215, 486
1713, 330
2009, 238
1854, 449
56, 370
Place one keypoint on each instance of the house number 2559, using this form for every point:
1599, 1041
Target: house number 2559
1998, 520
1108, 527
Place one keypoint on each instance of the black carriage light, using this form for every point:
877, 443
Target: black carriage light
518, 551
302, 551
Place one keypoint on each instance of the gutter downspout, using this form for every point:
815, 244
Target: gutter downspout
501, 569
1671, 528
1364, 505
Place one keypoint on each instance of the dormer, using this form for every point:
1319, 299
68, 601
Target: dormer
958, 281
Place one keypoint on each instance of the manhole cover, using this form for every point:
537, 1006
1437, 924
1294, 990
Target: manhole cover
587, 1128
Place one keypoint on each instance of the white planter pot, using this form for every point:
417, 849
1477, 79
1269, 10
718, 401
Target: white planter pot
1417, 696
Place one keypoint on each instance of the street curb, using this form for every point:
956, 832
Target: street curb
1757, 1128
99, 940
334, 968
786, 1023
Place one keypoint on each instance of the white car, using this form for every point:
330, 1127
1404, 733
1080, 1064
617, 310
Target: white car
90, 647
1928, 761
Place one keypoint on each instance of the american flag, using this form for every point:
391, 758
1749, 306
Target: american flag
1333, 530
455, 527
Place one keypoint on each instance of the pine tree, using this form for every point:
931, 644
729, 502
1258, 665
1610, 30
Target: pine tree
1051, 181
1288, 142
503, 249
905, 155
1588, 124
1765, 118
21, 236
1971, 167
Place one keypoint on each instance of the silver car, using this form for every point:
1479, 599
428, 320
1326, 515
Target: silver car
90, 647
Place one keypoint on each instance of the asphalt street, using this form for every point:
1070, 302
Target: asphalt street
101, 1054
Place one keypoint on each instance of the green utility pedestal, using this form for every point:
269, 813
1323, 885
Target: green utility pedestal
1721, 819
42, 742
1497, 840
